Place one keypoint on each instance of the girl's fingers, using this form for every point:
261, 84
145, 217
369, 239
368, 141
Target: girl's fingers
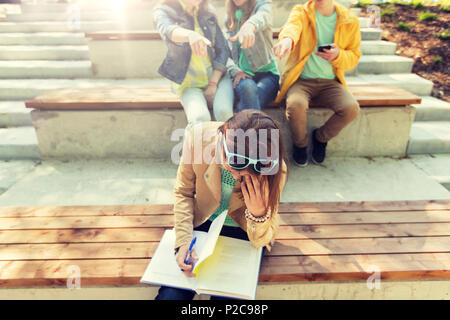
245, 192
250, 187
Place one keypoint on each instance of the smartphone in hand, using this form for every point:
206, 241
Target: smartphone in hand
322, 48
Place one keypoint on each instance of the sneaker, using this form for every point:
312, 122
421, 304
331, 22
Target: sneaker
300, 156
319, 149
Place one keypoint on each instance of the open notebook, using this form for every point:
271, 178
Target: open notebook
226, 267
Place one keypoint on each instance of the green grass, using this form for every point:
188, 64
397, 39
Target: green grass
444, 35
445, 9
404, 26
388, 12
418, 5
427, 16
437, 60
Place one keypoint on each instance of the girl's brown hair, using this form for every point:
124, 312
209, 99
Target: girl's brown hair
232, 21
254, 119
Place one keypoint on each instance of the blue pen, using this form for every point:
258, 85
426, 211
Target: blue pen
190, 250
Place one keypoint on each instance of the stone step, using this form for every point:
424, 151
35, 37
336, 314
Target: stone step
45, 69
14, 114
24, 89
429, 137
24, 52
371, 34
432, 109
140, 181
91, 26
61, 16
43, 38
378, 47
379, 64
18, 143
408, 81
436, 166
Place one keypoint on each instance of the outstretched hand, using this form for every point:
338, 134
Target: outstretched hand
246, 36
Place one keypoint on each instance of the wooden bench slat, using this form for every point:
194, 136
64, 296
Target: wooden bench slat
310, 247
299, 268
284, 232
160, 97
291, 219
161, 209
360, 246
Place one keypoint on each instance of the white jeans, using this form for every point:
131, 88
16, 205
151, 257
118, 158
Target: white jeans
196, 107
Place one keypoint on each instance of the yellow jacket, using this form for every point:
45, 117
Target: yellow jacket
301, 28
198, 190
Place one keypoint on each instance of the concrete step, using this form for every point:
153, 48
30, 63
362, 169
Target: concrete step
371, 34
436, 166
42, 38
91, 26
378, 47
24, 52
14, 114
429, 137
12, 171
364, 22
432, 109
408, 81
140, 181
379, 64
45, 69
24, 89
61, 16
18, 143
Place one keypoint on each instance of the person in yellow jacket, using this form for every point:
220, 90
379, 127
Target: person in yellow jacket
317, 73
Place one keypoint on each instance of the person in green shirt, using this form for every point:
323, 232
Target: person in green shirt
252, 64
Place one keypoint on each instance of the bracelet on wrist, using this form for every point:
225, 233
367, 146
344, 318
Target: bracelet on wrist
212, 84
251, 217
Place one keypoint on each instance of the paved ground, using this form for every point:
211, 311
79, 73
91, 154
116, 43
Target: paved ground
112, 182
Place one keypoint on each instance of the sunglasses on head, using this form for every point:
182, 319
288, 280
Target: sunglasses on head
240, 162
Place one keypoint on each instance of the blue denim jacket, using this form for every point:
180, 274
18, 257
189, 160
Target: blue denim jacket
261, 53
176, 63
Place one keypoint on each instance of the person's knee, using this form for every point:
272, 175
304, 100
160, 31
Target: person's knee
247, 87
351, 111
296, 104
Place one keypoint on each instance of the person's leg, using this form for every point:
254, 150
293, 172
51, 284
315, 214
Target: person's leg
168, 293
268, 85
195, 106
247, 92
224, 99
298, 98
346, 109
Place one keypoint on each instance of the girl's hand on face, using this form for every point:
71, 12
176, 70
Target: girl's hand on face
199, 44
238, 77
256, 193
181, 256
246, 36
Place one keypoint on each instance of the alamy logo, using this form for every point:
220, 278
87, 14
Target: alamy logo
374, 281
74, 280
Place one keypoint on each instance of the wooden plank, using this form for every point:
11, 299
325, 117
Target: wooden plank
290, 219
68, 251
135, 250
86, 222
298, 268
82, 211
372, 206
360, 246
160, 97
161, 209
355, 267
81, 235
285, 232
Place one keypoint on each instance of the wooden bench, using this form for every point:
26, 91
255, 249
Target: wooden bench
161, 97
112, 245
